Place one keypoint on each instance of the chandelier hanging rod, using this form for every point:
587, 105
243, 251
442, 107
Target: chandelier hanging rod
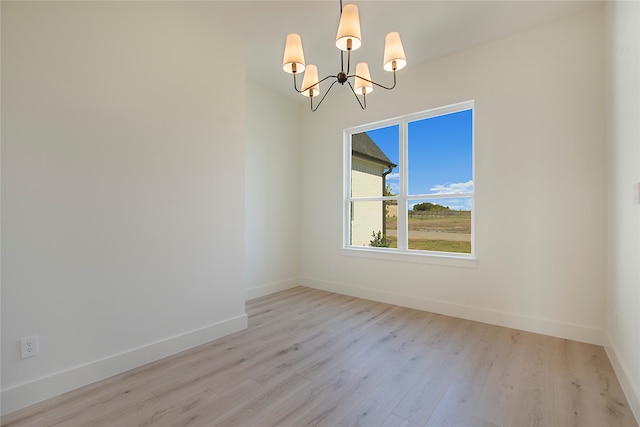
347, 39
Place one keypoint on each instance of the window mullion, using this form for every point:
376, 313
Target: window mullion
346, 164
402, 196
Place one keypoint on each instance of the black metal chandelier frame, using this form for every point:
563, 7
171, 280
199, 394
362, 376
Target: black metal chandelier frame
341, 77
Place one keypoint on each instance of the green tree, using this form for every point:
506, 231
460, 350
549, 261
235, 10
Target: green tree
430, 207
387, 190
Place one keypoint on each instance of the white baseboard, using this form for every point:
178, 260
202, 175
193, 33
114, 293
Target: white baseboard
23, 395
510, 320
630, 388
271, 288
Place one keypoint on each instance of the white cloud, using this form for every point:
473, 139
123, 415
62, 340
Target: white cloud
453, 188
395, 176
457, 204
393, 179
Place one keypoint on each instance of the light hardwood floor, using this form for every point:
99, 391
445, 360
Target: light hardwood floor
316, 358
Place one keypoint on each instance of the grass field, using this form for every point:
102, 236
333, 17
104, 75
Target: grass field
440, 245
440, 233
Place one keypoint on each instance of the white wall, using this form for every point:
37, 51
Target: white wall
623, 141
122, 174
122, 150
272, 192
540, 184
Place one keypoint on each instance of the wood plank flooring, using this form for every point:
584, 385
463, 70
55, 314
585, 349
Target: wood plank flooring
316, 358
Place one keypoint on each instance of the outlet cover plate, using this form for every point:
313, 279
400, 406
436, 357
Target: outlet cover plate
29, 346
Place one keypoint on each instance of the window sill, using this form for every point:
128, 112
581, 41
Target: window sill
432, 258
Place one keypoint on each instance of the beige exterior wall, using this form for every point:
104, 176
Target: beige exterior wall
366, 217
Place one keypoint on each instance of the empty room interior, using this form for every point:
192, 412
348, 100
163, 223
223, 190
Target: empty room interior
182, 235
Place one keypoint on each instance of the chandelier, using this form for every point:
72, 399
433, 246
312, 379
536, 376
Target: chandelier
347, 40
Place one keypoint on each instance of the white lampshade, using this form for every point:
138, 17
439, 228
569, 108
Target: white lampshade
393, 51
311, 77
349, 28
293, 54
361, 86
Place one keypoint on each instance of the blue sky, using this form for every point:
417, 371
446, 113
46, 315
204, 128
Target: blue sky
440, 156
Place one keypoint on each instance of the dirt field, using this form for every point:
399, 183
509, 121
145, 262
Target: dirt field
433, 235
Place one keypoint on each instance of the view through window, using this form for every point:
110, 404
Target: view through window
410, 183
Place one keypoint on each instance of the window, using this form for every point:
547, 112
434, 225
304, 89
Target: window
409, 184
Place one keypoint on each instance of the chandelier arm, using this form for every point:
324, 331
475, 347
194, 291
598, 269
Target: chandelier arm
378, 84
358, 99
313, 110
302, 90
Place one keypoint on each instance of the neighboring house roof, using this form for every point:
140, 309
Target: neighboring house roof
363, 145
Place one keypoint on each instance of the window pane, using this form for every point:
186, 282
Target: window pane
374, 160
442, 225
440, 154
374, 223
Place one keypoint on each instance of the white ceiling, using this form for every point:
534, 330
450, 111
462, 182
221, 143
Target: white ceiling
429, 29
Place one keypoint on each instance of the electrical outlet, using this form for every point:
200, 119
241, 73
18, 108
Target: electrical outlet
29, 346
